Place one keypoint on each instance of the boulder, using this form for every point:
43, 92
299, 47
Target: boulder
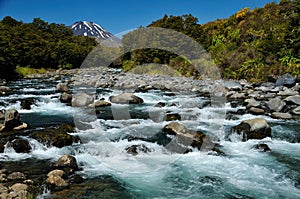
185, 137
62, 87
275, 104
82, 99
296, 111
126, 98
172, 116
233, 86
26, 103
19, 187
279, 115
286, 80
56, 136
256, 111
100, 103
253, 129
262, 147
251, 103
293, 100
66, 161
21, 145
288, 92
65, 98
16, 176
56, 182
4, 90
237, 95
160, 104
12, 120
57, 172
135, 149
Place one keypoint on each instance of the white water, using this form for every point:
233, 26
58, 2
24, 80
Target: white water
161, 173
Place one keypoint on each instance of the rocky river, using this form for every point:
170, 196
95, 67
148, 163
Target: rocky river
104, 133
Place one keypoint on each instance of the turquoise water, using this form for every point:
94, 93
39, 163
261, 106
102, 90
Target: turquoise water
242, 173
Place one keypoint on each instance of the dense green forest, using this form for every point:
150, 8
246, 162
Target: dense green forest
250, 44
39, 45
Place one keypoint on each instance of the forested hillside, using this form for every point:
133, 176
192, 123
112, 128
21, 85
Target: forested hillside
39, 45
250, 44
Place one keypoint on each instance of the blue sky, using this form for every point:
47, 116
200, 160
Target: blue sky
121, 15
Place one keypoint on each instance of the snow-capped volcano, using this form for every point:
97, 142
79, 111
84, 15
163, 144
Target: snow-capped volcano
90, 29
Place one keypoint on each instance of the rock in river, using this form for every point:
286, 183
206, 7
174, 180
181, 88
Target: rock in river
286, 80
82, 99
253, 129
126, 98
186, 137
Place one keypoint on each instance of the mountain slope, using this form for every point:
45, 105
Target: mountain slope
90, 29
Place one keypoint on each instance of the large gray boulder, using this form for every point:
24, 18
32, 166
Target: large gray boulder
293, 100
12, 120
286, 80
276, 104
253, 129
66, 161
185, 137
279, 115
65, 98
82, 100
62, 87
126, 98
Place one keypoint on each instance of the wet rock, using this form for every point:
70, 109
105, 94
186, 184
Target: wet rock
16, 176
56, 181
62, 87
12, 120
100, 187
275, 104
27, 103
160, 104
137, 148
172, 116
21, 145
234, 104
65, 98
56, 136
144, 88
100, 103
66, 161
233, 86
3, 190
76, 179
251, 103
20, 189
293, 100
237, 96
186, 137
253, 129
286, 80
126, 98
262, 147
4, 90
82, 99
288, 92
256, 111
279, 115
296, 111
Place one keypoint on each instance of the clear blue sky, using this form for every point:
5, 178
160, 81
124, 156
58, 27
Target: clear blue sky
121, 15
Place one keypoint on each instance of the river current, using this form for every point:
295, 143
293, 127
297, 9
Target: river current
242, 173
